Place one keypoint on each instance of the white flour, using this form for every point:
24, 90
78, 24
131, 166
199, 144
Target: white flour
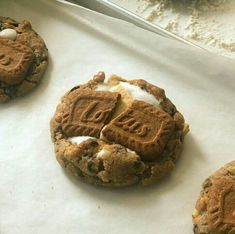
208, 23
205, 22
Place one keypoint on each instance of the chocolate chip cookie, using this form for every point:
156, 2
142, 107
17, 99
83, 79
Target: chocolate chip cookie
23, 58
215, 209
117, 133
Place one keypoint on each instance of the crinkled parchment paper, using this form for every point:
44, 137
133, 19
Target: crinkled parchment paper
37, 197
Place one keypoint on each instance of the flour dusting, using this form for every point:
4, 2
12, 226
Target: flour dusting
208, 23
205, 22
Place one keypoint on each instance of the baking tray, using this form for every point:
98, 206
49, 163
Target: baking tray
37, 196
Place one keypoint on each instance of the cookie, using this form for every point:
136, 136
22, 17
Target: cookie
215, 208
117, 133
23, 58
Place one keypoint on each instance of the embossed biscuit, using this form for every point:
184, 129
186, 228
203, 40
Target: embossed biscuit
215, 209
23, 58
15, 60
88, 112
117, 133
143, 128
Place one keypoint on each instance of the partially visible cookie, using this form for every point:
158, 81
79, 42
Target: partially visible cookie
23, 58
117, 133
215, 209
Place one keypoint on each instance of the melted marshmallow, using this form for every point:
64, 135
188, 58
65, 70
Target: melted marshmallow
130, 151
102, 137
102, 87
103, 153
134, 91
79, 139
8, 34
140, 94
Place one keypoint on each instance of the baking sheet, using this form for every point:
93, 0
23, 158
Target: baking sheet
36, 196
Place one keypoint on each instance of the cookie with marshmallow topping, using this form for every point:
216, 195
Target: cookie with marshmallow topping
214, 212
117, 133
23, 58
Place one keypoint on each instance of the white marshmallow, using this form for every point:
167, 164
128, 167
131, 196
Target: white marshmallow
103, 153
102, 137
8, 34
102, 87
135, 91
140, 94
130, 151
79, 139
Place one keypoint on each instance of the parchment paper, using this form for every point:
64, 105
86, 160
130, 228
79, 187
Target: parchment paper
37, 196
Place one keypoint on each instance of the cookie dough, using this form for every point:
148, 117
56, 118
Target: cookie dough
215, 209
117, 133
23, 58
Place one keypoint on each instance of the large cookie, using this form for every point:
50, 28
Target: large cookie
23, 58
215, 209
117, 133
